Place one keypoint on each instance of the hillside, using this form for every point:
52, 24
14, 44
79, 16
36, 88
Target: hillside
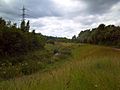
90, 68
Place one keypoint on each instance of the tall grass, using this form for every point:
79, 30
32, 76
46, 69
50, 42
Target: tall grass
90, 68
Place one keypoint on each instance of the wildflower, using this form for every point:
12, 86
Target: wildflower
39, 62
4, 72
10, 64
3, 64
17, 69
22, 64
96, 85
26, 63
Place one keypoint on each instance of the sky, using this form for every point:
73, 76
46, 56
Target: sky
62, 18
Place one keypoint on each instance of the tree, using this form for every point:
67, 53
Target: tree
23, 26
28, 26
9, 23
15, 41
74, 37
2, 23
33, 31
101, 26
14, 26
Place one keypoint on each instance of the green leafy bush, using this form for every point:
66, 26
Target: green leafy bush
13, 41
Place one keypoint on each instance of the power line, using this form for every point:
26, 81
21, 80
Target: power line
23, 13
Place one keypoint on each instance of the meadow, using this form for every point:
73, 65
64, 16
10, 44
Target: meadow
89, 67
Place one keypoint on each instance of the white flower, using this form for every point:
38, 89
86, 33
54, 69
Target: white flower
96, 85
4, 72
39, 62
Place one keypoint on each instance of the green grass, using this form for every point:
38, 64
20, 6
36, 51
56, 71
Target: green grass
90, 68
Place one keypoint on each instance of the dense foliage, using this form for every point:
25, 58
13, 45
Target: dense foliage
14, 41
15, 44
23, 52
102, 35
31, 62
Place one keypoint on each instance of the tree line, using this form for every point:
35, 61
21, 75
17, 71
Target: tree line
15, 41
102, 35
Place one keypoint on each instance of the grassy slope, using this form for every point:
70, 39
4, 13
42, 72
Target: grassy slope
91, 68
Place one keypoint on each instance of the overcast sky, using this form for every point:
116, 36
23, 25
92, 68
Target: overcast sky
62, 18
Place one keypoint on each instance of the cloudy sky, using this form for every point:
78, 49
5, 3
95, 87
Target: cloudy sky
62, 18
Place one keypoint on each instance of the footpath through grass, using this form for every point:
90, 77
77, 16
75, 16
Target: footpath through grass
90, 68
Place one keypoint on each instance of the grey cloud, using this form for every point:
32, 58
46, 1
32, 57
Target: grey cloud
41, 8
35, 9
99, 6
9, 11
50, 19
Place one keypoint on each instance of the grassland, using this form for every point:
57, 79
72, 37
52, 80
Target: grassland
90, 68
